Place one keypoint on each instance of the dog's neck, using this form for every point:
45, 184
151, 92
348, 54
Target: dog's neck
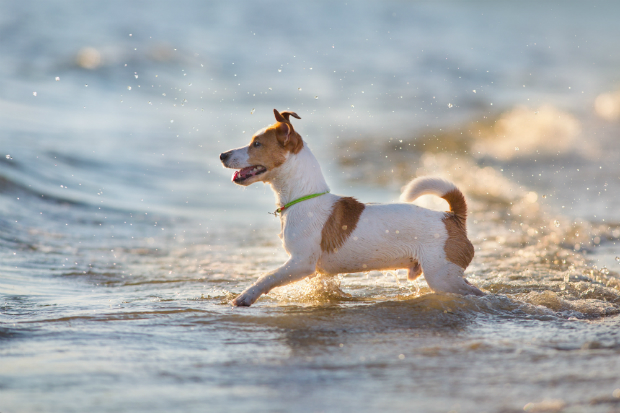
298, 176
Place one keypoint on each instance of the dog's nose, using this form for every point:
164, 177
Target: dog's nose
224, 156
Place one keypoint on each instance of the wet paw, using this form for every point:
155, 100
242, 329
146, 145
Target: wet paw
472, 289
247, 297
242, 301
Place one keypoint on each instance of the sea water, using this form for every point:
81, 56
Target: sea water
123, 241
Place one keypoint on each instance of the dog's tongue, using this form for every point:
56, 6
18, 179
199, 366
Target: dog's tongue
243, 173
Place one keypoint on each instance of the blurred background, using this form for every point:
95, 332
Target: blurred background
137, 99
116, 215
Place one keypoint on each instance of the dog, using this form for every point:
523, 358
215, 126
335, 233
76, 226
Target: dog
329, 234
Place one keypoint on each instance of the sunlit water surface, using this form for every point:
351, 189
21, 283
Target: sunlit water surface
122, 240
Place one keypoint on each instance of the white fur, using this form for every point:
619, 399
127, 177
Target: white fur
238, 158
387, 236
425, 186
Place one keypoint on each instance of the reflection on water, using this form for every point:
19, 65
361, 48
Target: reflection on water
122, 240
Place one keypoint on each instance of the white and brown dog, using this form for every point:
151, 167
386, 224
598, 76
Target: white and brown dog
330, 234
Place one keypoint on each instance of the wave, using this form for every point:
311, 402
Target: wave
10, 186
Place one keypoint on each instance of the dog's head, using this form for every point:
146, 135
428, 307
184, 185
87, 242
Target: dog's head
269, 148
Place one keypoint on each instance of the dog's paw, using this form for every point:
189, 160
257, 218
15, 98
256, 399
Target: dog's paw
240, 302
243, 300
472, 289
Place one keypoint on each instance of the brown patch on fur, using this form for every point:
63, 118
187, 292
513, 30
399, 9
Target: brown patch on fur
270, 153
341, 223
457, 203
458, 248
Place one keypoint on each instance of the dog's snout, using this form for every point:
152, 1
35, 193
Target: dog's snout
224, 156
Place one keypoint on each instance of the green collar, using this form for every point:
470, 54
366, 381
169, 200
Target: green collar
290, 204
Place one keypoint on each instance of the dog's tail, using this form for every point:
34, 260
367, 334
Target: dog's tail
439, 187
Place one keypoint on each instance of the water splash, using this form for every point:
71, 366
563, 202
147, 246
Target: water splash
316, 290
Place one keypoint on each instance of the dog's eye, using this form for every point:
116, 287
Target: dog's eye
256, 144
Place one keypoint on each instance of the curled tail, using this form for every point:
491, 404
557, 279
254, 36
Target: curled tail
439, 187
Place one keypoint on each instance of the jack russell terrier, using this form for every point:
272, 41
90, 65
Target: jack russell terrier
330, 234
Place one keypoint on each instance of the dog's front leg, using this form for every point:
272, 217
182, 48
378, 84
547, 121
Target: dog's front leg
293, 270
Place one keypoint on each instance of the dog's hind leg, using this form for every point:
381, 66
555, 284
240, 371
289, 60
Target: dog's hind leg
447, 277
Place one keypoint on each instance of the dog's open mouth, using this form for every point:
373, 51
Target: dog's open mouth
248, 172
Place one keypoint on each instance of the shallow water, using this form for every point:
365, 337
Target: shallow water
122, 240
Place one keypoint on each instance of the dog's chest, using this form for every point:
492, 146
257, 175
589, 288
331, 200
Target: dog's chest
301, 226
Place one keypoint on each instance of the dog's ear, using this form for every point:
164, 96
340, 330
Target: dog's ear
288, 137
283, 129
288, 113
279, 117
284, 115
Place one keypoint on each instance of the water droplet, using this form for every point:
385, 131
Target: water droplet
57, 78
556, 223
163, 94
316, 97
279, 70
299, 89
544, 196
86, 85
171, 120
617, 258
252, 111
450, 105
516, 148
150, 102
352, 106
128, 87
34, 93
9, 157
136, 76
474, 90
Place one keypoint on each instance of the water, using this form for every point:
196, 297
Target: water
122, 239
